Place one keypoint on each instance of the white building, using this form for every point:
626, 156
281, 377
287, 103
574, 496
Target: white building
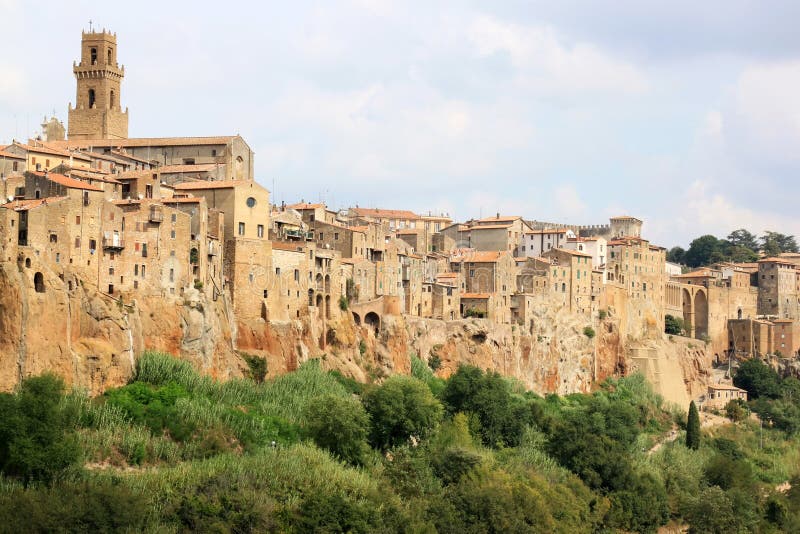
536, 242
594, 246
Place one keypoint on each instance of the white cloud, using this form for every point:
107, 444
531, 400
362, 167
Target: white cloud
548, 64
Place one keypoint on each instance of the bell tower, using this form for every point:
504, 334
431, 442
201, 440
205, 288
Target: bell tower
97, 113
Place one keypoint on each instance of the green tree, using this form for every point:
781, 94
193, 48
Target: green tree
673, 325
758, 378
37, 441
743, 238
501, 415
339, 424
736, 410
703, 251
676, 255
693, 427
400, 408
773, 243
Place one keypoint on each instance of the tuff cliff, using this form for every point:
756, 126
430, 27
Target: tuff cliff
92, 341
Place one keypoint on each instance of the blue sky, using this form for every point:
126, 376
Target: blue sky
684, 114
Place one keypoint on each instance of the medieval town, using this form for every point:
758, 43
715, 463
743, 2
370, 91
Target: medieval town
184, 220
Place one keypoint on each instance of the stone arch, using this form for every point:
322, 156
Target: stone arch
700, 314
739, 313
327, 283
688, 311
28, 263
373, 319
357, 318
320, 282
327, 306
38, 282
264, 311
319, 300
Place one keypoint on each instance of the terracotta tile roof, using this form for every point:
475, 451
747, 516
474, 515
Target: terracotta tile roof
626, 241
86, 175
205, 167
726, 387
148, 141
24, 205
570, 252
305, 206
4, 154
774, 259
475, 295
70, 183
490, 256
384, 214
219, 184
502, 218
491, 227
54, 151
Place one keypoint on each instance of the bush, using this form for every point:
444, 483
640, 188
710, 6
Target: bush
758, 379
257, 366
589, 332
37, 440
340, 425
737, 410
400, 408
343, 303
673, 325
602, 314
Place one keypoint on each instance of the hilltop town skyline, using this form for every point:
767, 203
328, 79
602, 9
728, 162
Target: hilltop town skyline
562, 121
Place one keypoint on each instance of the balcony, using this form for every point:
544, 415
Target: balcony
156, 214
114, 244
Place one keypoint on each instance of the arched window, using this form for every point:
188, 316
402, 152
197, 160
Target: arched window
38, 282
94, 56
109, 56
28, 263
91, 98
111, 103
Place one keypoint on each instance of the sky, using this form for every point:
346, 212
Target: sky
684, 114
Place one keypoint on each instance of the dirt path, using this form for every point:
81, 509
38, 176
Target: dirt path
707, 420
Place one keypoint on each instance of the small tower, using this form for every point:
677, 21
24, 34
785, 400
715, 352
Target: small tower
97, 113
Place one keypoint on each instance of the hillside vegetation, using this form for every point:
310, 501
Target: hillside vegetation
313, 451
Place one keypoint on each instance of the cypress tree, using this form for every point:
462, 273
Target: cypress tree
693, 428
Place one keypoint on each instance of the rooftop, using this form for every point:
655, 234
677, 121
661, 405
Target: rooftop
384, 214
220, 184
24, 205
67, 182
147, 141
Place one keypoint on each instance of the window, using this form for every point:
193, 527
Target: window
241, 228
53, 238
277, 271
251, 202
296, 275
143, 268
91, 98
15, 166
188, 161
260, 230
172, 275
58, 257
111, 271
77, 219
213, 152
136, 270
172, 234
336, 236
144, 250
174, 217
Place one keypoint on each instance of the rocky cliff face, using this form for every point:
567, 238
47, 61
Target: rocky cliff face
92, 340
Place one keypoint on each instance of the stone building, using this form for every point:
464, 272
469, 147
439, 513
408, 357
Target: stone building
572, 278
44, 157
490, 280
778, 288
11, 163
498, 233
97, 113
596, 247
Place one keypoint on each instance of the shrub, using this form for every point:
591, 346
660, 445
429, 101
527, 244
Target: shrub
673, 325
37, 440
362, 347
343, 303
589, 332
400, 408
737, 410
602, 314
257, 366
198, 284
434, 362
340, 425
